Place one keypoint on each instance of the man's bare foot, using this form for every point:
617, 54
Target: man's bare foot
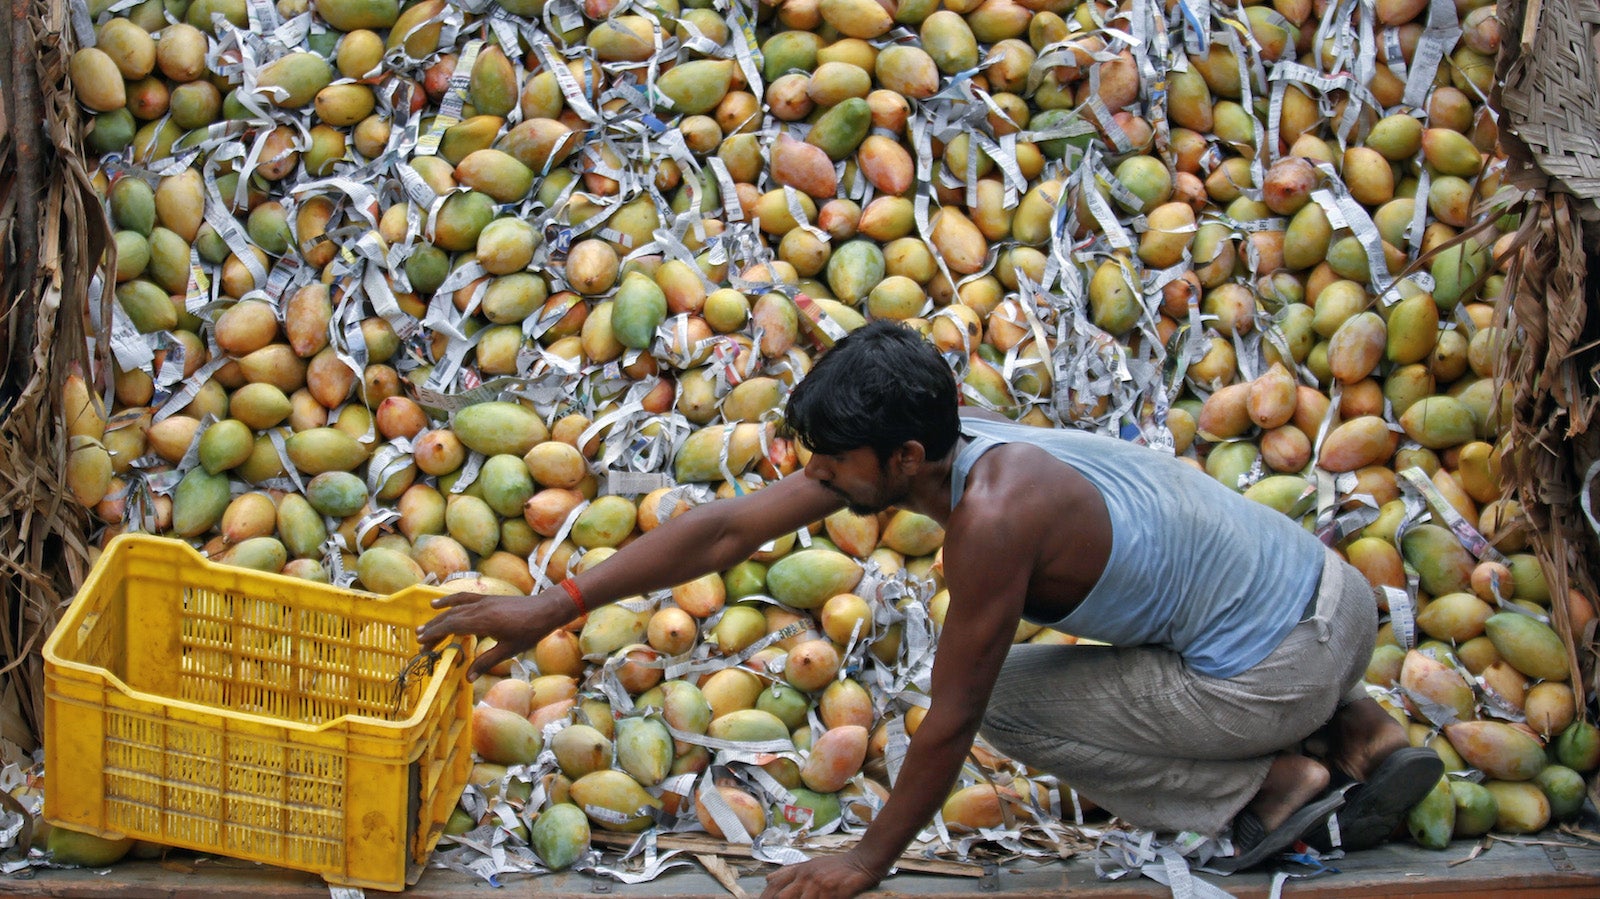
1363, 735
1292, 781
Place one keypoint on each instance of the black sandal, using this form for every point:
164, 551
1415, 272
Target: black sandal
1375, 808
1253, 844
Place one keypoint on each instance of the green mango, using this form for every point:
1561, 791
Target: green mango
841, 129
1433, 820
560, 835
198, 502
639, 309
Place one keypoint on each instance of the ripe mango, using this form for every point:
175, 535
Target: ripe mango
1520, 807
540, 143
746, 810
496, 174
96, 80
1498, 749
1436, 683
89, 471
695, 88
320, 450
385, 571
1384, 668
1271, 399
420, 40
493, 85
1444, 565
257, 553
1439, 422
503, 737
950, 41
293, 80
249, 515
1357, 347
470, 521
978, 806
581, 749
1114, 305
1358, 443
699, 457
1450, 152
1170, 232
835, 757
1413, 329
496, 428
615, 801
683, 706
808, 578
748, 725
611, 627
911, 534
349, 15
1549, 707
1454, 617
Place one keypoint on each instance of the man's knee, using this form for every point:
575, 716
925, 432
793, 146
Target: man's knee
1008, 719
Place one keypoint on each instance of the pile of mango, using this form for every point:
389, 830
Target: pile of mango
794, 703
475, 293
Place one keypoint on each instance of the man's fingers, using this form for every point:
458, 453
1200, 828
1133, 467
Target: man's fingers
488, 659
436, 629
776, 881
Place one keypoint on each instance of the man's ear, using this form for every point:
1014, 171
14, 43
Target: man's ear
911, 456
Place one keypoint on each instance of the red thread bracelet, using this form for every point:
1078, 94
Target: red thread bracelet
571, 586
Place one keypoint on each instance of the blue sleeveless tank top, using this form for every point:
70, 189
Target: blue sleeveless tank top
1194, 566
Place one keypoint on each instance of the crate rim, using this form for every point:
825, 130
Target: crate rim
72, 618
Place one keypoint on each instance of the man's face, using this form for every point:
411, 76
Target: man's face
866, 485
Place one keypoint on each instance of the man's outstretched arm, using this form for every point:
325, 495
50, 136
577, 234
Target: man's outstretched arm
712, 537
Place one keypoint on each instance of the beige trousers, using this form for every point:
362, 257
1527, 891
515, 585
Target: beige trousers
1140, 734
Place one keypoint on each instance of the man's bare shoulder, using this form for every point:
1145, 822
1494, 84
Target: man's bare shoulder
1018, 482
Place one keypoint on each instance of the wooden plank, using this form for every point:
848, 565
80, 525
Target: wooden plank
1388, 872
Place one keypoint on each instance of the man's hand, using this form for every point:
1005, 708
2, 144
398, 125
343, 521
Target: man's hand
515, 622
840, 876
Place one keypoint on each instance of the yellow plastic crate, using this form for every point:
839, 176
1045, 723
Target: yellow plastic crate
252, 715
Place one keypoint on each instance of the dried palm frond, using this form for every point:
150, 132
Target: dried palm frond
53, 236
1548, 76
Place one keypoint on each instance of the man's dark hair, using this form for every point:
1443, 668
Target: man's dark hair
880, 386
